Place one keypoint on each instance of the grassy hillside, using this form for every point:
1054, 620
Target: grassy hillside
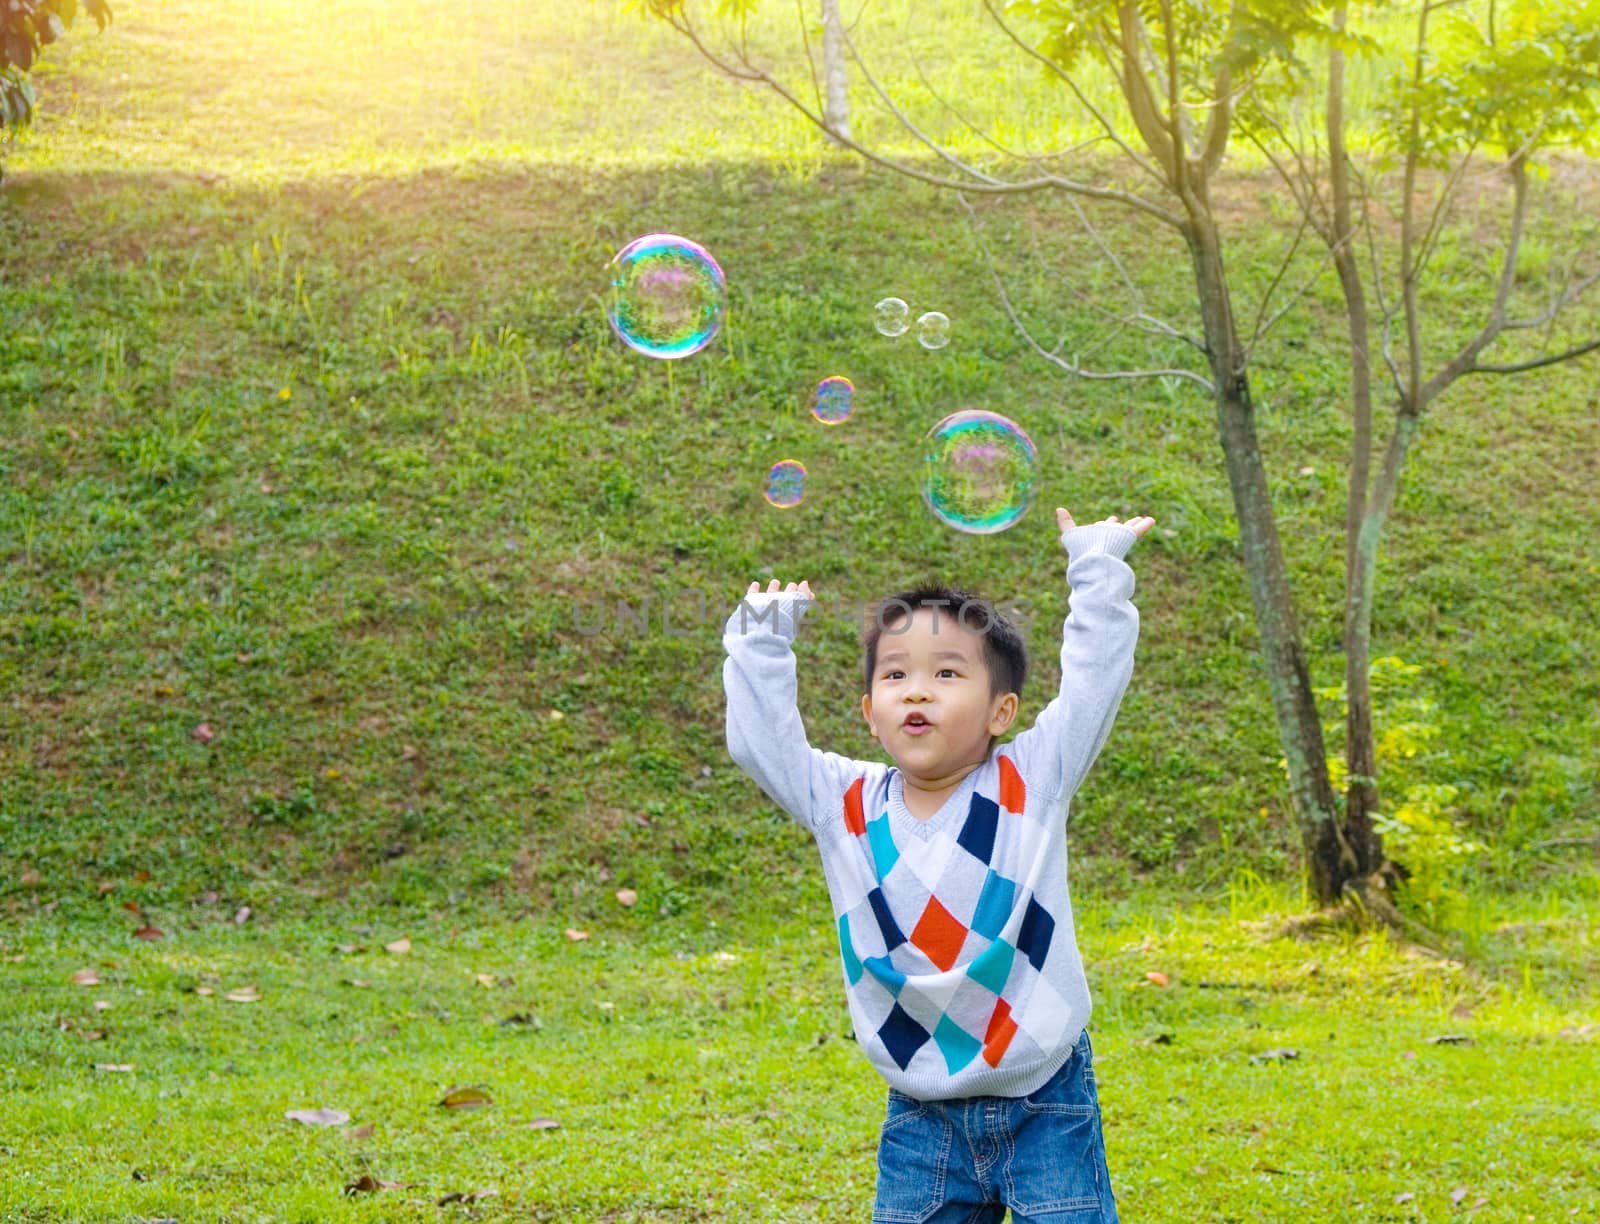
312, 431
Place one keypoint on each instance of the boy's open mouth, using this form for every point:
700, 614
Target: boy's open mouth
915, 724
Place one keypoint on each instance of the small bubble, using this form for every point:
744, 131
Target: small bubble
892, 317
786, 484
933, 330
835, 400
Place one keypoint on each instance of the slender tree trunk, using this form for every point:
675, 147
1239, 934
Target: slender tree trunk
836, 107
1329, 861
1361, 531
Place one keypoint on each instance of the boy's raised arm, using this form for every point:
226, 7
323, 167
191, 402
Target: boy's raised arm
765, 734
1097, 643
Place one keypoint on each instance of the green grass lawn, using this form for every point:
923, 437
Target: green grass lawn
312, 431
707, 1073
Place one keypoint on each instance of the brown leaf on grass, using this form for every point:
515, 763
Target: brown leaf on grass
141, 876
466, 1098
31, 878
203, 733
131, 906
113, 1066
364, 1131
540, 1124
245, 994
205, 992
16, 959
575, 935
349, 949
627, 897
1405, 1196
368, 1184
399, 947
106, 886
91, 1034
241, 915
1450, 1039
357, 982
468, 1196
1274, 1056
101, 1005
1456, 1195
86, 977
1157, 978
317, 1117
149, 932
485, 979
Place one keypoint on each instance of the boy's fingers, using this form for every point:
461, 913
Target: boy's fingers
1064, 519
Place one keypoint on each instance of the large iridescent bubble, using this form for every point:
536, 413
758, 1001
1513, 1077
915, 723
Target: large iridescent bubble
786, 484
835, 400
980, 472
668, 296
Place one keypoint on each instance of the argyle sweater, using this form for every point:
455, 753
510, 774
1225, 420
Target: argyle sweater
955, 933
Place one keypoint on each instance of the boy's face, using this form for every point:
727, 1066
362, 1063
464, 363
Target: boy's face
929, 704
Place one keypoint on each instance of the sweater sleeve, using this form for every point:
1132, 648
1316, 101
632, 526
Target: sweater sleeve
1097, 644
765, 734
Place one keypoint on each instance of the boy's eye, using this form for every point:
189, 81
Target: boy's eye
894, 675
947, 671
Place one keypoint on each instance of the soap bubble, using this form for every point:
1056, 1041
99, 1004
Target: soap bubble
786, 484
668, 296
892, 317
933, 330
979, 472
836, 400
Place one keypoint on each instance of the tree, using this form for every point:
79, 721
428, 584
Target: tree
26, 28
1196, 77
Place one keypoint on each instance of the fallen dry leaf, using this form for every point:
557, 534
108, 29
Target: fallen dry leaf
1160, 979
485, 979
86, 977
1404, 1197
1275, 1056
113, 1066
626, 896
364, 1131
241, 915
466, 1098
540, 1124
1459, 1193
203, 733
102, 1005
368, 1184
1450, 1039
106, 886
91, 1034
317, 1117
204, 991
576, 935
149, 932
357, 982
399, 947
349, 949
468, 1196
245, 994
31, 878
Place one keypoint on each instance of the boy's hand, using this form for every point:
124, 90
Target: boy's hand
1138, 525
801, 588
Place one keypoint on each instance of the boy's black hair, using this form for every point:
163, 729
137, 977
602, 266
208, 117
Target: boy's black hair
1004, 651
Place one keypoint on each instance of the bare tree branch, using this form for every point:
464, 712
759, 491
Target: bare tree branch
1073, 367
1111, 131
1517, 367
1468, 356
749, 72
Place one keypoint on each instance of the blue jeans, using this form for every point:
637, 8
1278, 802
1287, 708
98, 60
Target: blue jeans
967, 1160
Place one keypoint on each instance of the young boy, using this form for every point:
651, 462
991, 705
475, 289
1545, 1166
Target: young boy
948, 877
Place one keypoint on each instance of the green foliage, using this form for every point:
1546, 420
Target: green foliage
26, 27
1511, 80
1420, 828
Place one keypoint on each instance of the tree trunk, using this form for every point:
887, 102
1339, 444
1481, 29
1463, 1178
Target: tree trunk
1361, 531
1329, 861
836, 107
